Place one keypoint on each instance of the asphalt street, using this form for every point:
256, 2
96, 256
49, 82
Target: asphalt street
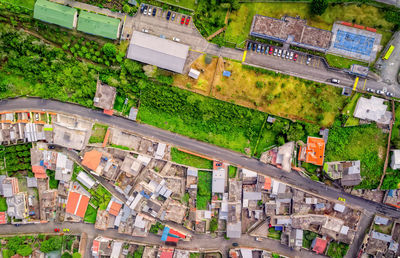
293, 178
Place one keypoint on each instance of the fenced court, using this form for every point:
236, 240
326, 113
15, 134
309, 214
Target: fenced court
354, 43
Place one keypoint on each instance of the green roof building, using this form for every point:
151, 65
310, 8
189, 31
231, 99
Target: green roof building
100, 25
55, 13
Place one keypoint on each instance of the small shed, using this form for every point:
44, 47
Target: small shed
193, 73
271, 119
133, 113
226, 73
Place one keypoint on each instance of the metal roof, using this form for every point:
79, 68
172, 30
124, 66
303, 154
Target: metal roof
157, 51
54, 13
97, 24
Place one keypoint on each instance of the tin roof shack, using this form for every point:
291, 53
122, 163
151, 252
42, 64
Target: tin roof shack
71, 132
17, 206
105, 96
373, 109
347, 171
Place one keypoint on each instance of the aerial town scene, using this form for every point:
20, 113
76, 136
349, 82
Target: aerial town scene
199, 128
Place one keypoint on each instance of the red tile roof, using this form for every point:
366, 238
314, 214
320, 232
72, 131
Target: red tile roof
91, 159
109, 112
267, 183
3, 218
314, 151
172, 239
39, 171
115, 208
320, 245
167, 254
95, 246
176, 233
77, 204
105, 141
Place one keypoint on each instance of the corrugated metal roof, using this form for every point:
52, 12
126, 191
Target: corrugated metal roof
97, 24
54, 13
154, 50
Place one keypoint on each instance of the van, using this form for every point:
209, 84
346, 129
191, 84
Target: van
176, 39
333, 80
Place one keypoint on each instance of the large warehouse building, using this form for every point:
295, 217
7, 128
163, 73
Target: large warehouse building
97, 24
157, 51
55, 13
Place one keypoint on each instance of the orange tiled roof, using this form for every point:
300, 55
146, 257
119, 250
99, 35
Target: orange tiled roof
267, 183
95, 246
77, 204
320, 245
39, 171
3, 218
115, 208
315, 151
109, 112
91, 159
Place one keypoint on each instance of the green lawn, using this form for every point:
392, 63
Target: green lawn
190, 160
308, 237
384, 229
98, 133
337, 249
203, 189
272, 233
232, 171
3, 204
90, 215
189, 4
366, 143
25, 3
348, 110
341, 62
53, 183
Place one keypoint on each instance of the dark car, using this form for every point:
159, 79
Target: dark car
168, 15
271, 50
254, 47
249, 46
141, 8
389, 94
145, 10
154, 11
183, 20
17, 225
51, 147
173, 17
187, 21
262, 49
235, 244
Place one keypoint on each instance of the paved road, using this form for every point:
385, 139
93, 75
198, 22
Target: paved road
293, 178
200, 242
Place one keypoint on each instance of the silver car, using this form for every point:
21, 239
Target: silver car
280, 52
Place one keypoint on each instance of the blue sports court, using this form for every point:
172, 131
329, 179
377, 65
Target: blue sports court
355, 43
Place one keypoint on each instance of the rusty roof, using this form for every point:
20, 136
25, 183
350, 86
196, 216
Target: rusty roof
91, 159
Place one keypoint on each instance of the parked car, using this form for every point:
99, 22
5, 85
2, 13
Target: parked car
308, 60
258, 48
370, 90
56, 230
284, 53
389, 94
266, 49
271, 50
295, 57
149, 12
287, 54
51, 147
176, 39
168, 15
341, 199
262, 49
142, 8
145, 30
17, 225
145, 10
254, 47
235, 244
333, 80
183, 20
173, 16
279, 52
218, 164
154, 11
187, 21
65, 229
291, 55
37, 117
275, 51
380, 92
249, 46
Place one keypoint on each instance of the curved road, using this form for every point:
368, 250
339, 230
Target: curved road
293, 179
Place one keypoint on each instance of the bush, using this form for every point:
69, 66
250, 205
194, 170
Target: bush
109, 50
318, 7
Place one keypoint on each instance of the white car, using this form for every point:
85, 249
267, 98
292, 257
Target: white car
145, 30
280, 52
333, 80
149, 13
291, 55
176, 39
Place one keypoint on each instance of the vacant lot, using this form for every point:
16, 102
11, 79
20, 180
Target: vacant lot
189, 4
266, 91
189, 159
240, 21
203, 190
366, 143
98, 133
90, 215
25, 3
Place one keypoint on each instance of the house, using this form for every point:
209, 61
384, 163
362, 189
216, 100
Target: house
318, 245
339, 207
347, 171
101, 247
77, 204
395, 163
92, 159
17, 206
105, 96
131, 166
64, 168
55, 13
218, 180
234, 229
100, 25
114, 206
86, 180
313, 152
160, 152
193, 73
70, 137
158, 51
10, 186
373, 109
39, 171
116, 249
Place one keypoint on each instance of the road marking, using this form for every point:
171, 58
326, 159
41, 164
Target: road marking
364, 83
244, 56
355, 83
194, 50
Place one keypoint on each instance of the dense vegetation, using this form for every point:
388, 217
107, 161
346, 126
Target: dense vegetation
100, 197
184, 158
337, 249
90, 215
203, 189
53, 183
17, 159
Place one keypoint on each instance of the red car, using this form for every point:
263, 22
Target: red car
183, 20
187, 21
56, 230
295, 57
271, 49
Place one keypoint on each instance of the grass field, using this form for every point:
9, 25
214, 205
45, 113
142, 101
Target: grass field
3, 204
341, 62
232, 171
203, 189
272, 233
90, 215
337, 249
266, 91
25, 3
53, 183
189, 4
190, 160
348, 110
98, 133
366, 143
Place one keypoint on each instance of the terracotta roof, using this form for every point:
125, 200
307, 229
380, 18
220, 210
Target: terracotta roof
109, 112
176, 233
320, 245
77, 204
267, 183
91, 159
314, 151
115, 208
39, 171
3, 218
95, 246
166, 254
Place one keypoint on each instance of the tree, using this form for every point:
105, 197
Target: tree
295, 132
76, 255
318, 7
126, 8
213, 224
109, 50
24, 250
51, 244
14, 243
66, 255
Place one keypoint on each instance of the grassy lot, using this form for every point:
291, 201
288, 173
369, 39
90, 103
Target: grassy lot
277, 94
203, 189
308, 237
190, 160
348, 110
53, 183
240, 20
120, 106
384, 229
232, 171
3, 204
25, 3
366, 143
272, 233
90, 215
100, 197
341, 62
337, 249
98, 133
189, 4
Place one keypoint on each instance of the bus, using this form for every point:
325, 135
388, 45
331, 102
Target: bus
388, 52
